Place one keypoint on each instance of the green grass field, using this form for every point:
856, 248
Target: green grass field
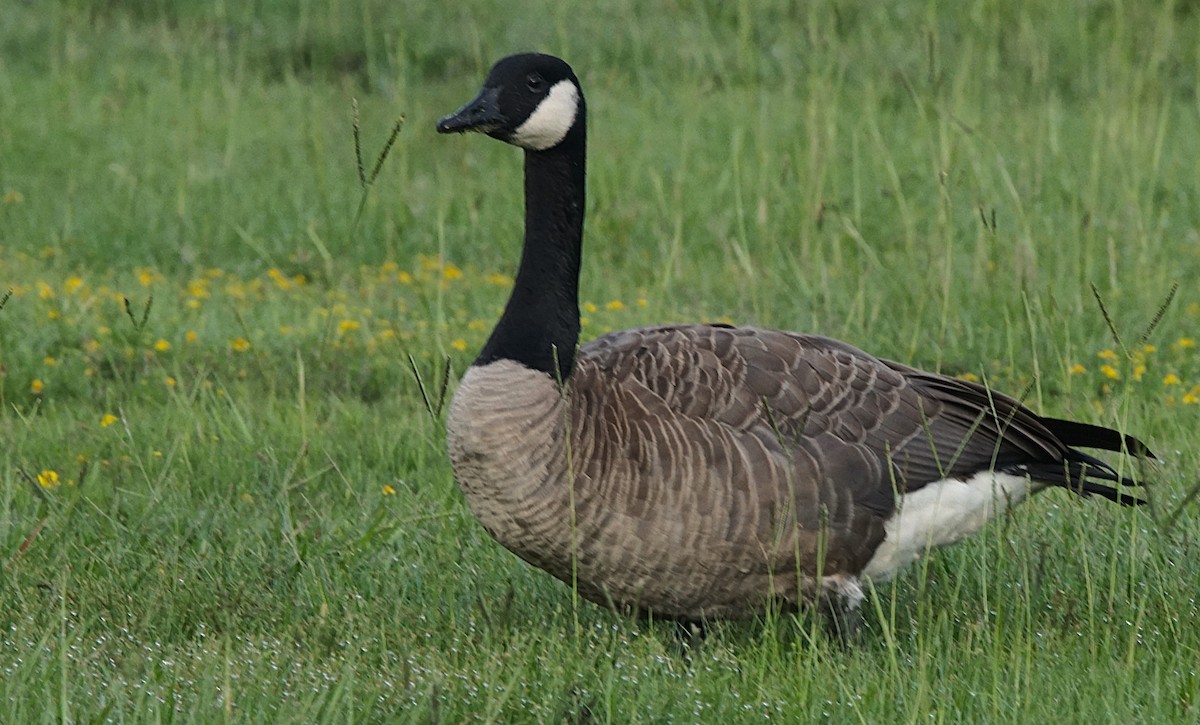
224, 496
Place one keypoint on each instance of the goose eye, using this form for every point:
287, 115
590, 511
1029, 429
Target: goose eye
535, 82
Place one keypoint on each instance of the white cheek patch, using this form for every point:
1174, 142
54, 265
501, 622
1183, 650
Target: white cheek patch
549, 123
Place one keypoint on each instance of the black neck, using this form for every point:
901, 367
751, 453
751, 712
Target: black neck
540, 325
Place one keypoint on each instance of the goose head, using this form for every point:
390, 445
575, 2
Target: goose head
530, 100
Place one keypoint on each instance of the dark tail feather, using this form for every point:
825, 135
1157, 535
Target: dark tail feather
1109, 475
1074, 433
1078, 476
1081, 472
1090, 488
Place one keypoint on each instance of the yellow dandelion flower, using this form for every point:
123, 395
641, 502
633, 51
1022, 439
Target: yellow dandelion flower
37, 386
72, 284
1106, 355
198, 288
347, 326
156, 454
1171, 379
239, 344
1149, 349
49, 361
476, 325
91, 346
642, 302
589, 307
614, 305
1185, 343
237, 290
53, 314
162, 345
191, 336
1138, 371
388, 490
451, 271
45, 291
48, 478
1076, 369
170, 381
107, 420
1190, 399
500, 280
193, 304
1110, 372
403, 277
969, 377
459, 344
279, 278
145, 276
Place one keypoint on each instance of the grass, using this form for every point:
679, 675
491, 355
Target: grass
222, 496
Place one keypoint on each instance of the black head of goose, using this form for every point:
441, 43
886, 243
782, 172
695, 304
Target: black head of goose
698, 471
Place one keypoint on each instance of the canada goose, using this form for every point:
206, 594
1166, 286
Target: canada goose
711, 471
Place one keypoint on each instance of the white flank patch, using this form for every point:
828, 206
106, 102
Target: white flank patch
547, 126
943, 512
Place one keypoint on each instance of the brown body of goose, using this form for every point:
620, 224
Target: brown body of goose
700, 471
